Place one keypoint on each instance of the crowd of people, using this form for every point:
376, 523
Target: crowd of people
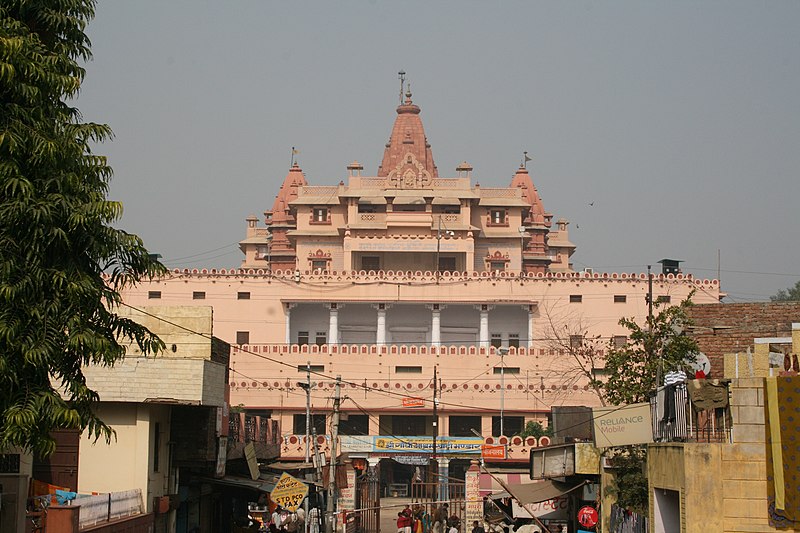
417, 519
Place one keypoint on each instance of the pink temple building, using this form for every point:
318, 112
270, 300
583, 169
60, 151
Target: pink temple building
380, 279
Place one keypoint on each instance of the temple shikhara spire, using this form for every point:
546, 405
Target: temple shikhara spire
408, 137
395, 219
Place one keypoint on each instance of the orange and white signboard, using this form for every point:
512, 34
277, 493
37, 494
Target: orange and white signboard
493, 451
414, 402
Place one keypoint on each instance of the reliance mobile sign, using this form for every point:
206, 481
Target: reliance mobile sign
620, 426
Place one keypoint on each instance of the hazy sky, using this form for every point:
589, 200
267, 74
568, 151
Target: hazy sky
680, 121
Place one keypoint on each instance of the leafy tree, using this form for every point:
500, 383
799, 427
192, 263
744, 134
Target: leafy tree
62, 265
535, 429
581, 353
630, 481
633, 371
792, 294
653, 349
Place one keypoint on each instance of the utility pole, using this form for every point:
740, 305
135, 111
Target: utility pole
502, 386
331, 514
434, 461
308, 433
308, 409
649, 298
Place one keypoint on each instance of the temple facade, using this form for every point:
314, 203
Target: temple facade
407, 218
385, 280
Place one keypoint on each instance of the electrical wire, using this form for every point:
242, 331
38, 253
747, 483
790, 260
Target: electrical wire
321, 374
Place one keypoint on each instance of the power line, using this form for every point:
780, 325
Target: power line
316, 373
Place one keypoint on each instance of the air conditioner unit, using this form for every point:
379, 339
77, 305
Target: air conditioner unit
607, 462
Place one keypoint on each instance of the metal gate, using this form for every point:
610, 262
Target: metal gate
368, 500
434, 496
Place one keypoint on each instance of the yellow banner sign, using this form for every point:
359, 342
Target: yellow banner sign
289, 492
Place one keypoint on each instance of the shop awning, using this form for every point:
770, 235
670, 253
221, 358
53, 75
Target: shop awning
540, 491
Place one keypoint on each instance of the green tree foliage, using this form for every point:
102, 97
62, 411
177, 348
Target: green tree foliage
535, 429
792, 294
630, 479
56, 242
655, 348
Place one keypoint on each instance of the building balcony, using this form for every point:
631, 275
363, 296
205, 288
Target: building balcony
263, 432
381, 349
678, 418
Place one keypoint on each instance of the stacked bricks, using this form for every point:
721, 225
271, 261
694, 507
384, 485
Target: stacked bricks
744, 470
742, 323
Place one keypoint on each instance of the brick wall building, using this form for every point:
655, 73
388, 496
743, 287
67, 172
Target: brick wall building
730, 328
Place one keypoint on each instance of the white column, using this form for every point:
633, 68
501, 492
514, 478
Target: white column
333, 324
288, 308
380, 339
444, 475
531, 308
436, 330
483, 336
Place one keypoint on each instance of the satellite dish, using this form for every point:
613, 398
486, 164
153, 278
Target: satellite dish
701, 364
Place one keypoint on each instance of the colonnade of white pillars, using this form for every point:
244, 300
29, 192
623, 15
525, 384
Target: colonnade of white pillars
436, 329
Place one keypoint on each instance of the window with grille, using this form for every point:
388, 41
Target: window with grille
319, 264
320, 215
242, 295
664, 299
497, 340
575, 298
508, 370
619, 341
321, 338
447, 264
198, 295
313, 368
497, 266
620, 298
302, 337
242, 337
512, 425
317, 423
354, 425
370, 262
154, 295
513, 340
497, 217
408, 369
575, 341
462, 426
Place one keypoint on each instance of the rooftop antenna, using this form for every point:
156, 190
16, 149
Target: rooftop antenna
402, 76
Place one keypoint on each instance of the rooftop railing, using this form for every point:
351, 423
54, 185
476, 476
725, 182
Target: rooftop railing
676, 418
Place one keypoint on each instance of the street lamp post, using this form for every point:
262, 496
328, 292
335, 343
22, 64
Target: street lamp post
502, 351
